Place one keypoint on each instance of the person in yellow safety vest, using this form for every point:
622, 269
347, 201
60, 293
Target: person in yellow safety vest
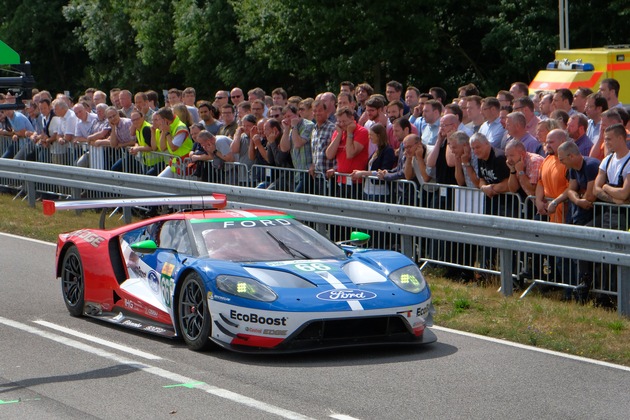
146, 144
174, 138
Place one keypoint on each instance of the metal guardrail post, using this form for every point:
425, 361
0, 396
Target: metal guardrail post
506, 262
623, 290
406, 246
127, 214
31, 193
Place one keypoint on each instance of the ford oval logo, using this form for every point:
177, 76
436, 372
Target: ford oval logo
345, 294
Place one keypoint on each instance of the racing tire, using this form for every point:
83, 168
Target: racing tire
193, 315
73, 282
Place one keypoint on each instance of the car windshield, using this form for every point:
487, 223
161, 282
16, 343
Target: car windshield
274, 238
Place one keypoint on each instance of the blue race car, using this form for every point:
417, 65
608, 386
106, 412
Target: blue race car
245, 280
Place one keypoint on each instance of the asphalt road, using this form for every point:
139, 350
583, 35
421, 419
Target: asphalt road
54, 366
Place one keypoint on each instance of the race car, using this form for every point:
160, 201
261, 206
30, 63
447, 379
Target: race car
247, 281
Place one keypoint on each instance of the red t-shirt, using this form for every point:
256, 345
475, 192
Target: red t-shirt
359, 161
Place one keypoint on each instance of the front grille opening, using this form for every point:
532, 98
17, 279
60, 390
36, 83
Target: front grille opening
354, 331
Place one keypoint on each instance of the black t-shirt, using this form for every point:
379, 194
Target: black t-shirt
494, 170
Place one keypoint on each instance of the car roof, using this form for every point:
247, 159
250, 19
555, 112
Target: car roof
199, 215
231, 214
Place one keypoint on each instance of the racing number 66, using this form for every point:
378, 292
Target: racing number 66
312, 267
166, 284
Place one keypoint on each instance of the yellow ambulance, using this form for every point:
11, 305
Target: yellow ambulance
586, 67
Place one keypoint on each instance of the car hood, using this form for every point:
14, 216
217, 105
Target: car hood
332, 284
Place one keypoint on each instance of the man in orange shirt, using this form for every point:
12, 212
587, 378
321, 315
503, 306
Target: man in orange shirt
552, 181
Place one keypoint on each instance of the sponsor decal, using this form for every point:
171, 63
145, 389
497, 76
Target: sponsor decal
265, 331
246, 222
255, 223
167, 269
134, 306
345, 294
253, 330
221, 298
406, 313
151, 312
294, 262
275, 332
257, 319
154, 281
154, 329
420, 311
89, 237
130, 323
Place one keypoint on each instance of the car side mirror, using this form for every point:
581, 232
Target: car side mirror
359, 238
145, 247
356, 239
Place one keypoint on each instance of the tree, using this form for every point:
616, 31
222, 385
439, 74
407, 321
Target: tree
105, 33
208, 52
315, 47
38, 32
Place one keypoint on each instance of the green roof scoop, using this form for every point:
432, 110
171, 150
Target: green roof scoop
8, 55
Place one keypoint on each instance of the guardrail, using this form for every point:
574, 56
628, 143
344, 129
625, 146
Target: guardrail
505, 234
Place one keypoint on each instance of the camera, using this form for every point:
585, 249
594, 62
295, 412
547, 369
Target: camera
21, 85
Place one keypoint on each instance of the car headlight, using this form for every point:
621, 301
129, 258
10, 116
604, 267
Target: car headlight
246, 288
409, 278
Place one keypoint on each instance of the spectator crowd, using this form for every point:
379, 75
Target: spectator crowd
565, 150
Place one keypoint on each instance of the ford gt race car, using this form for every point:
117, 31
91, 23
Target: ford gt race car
245, 280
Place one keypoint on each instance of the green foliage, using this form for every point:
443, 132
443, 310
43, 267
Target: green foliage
317, 47
208, 52
154, 37
617, 326
107, 36
461, 304
303, 46
39, 33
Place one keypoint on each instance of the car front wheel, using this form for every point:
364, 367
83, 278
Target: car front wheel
73, 282
193, 313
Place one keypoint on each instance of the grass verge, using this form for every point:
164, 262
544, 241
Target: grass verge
538, 320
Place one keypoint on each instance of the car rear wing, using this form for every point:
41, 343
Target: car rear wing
217, 201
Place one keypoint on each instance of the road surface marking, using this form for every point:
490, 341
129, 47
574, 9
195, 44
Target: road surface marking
162, 373
532, 348
97, 340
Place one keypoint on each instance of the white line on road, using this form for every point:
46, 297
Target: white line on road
97, 340
342, 417
171, 376
532, 348
24, 238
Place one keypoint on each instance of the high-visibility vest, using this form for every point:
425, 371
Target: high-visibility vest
148, 158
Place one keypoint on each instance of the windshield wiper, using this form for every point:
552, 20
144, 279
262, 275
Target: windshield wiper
286, 248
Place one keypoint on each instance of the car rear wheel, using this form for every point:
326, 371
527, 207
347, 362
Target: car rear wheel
193, 313
73, 282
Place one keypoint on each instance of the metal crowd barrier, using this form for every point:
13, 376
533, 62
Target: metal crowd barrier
536, 268
508, 235
544, 269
